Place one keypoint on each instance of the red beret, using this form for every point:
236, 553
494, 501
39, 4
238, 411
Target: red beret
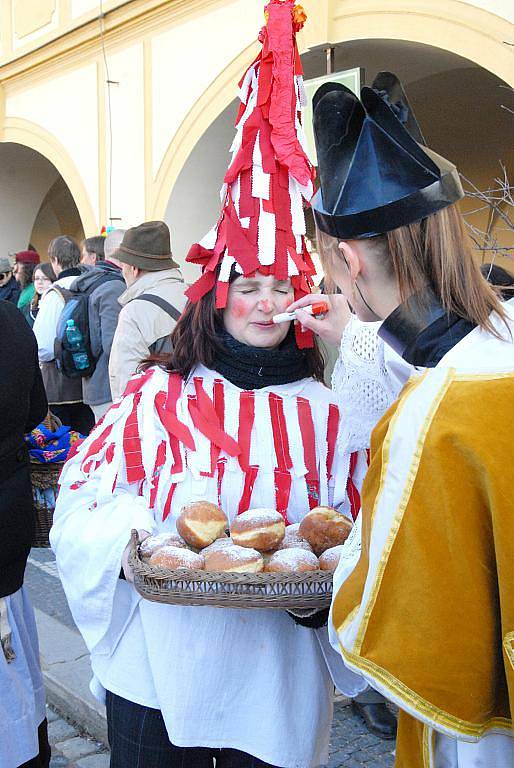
27, 257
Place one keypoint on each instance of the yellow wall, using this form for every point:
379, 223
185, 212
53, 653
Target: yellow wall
175, 65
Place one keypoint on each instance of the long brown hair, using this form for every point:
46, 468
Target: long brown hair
46, 268
196, 340
434, 252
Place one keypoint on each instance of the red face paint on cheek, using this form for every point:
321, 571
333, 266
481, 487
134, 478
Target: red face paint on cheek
239, 308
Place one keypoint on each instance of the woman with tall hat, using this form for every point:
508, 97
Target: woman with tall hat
424, 611
237, 416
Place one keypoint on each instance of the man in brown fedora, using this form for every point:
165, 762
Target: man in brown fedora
151, 304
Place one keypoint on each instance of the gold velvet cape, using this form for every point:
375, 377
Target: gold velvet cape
428, 613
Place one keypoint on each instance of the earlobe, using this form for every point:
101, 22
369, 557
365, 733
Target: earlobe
351, 257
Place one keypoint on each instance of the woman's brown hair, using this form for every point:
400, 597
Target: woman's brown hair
46, 268
438, 253
25, 274
196, 340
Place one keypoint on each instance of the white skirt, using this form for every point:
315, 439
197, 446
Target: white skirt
22, 698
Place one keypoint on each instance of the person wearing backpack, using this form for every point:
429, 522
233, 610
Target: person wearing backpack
64, 394
103, 285
152, 303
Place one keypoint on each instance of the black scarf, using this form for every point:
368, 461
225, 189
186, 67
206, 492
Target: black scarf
254, 368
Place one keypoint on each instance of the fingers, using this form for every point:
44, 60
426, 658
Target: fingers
305, 301
311, 323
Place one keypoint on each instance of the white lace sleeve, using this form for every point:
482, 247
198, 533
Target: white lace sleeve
366, 380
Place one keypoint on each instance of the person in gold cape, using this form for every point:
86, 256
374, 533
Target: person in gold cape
423, 606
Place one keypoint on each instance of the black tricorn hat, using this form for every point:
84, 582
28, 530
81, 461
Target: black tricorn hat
375, 175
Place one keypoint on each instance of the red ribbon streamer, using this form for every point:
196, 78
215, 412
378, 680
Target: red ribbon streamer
222, 463
351, 489
132, 445
218, 396
207, 422
244, 433
159, 463
167, 506
96, 445
249, 482
332, 427
281, 443
309, 450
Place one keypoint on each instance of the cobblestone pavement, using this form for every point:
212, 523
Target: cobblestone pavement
351, 744
71, 748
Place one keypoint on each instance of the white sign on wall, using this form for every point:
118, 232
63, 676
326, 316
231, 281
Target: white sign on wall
351, 78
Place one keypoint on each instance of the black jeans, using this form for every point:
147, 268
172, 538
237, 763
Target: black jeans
78, 416
138, 739
43, 759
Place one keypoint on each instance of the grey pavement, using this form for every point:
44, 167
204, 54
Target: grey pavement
78, 731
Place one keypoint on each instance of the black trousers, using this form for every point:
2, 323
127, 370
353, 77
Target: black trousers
43, 759
78, 416
138, 739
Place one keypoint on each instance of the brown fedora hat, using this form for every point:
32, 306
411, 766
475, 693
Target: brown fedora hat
147, 247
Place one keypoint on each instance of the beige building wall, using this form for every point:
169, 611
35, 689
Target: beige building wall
140, 146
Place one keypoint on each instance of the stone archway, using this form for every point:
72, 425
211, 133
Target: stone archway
35, 201
450, 54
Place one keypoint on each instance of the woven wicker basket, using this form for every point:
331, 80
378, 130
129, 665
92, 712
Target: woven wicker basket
45, 477
291, 591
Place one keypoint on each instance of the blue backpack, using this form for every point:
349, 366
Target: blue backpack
76, 308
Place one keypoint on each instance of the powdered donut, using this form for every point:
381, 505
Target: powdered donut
153, 543
261, 529
329, 560
324, 527
234, 559
175, 558
292, 561
293, 540
201, 523
220, 543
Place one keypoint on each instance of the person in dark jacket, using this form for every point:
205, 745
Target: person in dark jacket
104, 308
9, 287
23, 405
92, 250
64, 394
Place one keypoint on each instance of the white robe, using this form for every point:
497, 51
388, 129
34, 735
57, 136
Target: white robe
22, 694
247, 679
367, 378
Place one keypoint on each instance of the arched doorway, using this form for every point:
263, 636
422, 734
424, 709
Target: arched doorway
194, 203
457, 102
36, 205
460, 106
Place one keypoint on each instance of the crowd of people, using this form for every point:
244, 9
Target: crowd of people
188, 393
110, 272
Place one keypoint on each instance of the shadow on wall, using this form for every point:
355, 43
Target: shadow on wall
35, 203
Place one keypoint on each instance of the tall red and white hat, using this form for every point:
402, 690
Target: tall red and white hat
262, 223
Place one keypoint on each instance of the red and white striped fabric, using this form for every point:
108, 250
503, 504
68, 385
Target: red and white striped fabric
170, 442
262, 223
